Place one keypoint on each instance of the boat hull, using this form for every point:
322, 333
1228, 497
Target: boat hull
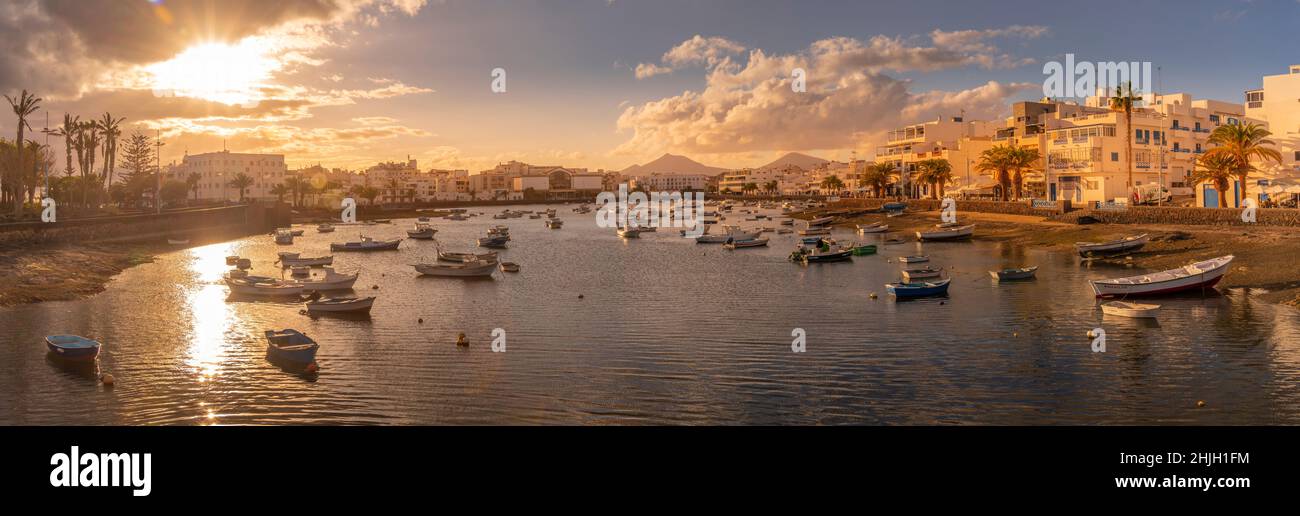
908, 290
1207, 275
372, 246
78, 350
458, 271
350, 306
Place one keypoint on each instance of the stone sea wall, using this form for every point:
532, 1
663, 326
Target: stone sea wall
174, 224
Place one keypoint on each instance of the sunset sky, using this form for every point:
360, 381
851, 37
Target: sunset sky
594, 83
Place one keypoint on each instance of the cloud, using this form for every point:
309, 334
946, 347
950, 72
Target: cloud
60, 47
695, 51
749, 106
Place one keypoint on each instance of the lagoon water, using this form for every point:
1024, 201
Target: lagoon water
666, 332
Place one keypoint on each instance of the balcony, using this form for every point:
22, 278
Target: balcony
1180, 128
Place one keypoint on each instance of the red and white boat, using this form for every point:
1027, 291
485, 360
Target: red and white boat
1197, 275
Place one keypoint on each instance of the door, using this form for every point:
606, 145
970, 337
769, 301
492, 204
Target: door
1211, 197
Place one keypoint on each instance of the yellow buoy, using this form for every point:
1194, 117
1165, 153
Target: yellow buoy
107, 379
1200, 403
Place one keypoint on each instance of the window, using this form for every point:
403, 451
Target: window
1114, 156
1214, 118
1297, 155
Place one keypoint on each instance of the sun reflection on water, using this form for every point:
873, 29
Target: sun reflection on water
210, 317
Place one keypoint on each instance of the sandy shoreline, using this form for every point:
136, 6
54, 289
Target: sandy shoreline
1265, 254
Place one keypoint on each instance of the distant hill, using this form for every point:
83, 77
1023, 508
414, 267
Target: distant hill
803, 161
672, 164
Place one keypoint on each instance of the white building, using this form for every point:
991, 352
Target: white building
216, 170
670, 182
1278, 104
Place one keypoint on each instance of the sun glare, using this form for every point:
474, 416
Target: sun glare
218, 72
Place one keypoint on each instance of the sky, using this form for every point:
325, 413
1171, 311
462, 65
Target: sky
592, 83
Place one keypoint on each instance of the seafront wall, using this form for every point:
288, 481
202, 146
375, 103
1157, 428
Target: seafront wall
1011, 207
1062, 211
185, 224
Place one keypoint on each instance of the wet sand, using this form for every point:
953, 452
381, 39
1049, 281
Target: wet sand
1265, 255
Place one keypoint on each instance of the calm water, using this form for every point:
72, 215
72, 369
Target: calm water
667, 331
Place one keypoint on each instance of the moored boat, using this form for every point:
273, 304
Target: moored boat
821, 221
325, 228
466, 257
283, 236
914, 259
910, 275
918, 289
262, 286
290, 260
367, 244
1204, 274
815, 230
947, 233
291, 346
554, 223
422, 231
73, 347
330, 281
497, 242
1126, 309
341, 304
878, 227
741, 244
509, 267
863, 250
1014, 274
466, 269
1130, 243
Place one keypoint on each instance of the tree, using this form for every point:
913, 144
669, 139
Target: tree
369, 193
748, 188
936, 172
174, 191
1218, 169
279, 191
1019, 159
109, 127
192, 181
241, 182
23, 106
772, 186
1243, 143
832, 183
997, 160
1125, 101
295, 185
876, 176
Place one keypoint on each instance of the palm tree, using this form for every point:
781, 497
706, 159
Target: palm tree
1243, 143
832, 183
192, 183
109, 127
876, 175
997, 160
1125, 101
1019, 159
772, 186
295, 185
68, 132
1218, 169
748, 188
935, 171
23, 107
279, 191
241, 182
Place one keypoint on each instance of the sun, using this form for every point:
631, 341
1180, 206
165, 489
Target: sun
233, 74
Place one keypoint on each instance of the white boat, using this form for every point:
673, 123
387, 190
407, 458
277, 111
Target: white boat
949, 233
554, 223
873, 228
422, 231
629, 233
729, 233
914, 259
463, 270
910, 275
1135, 310
1131, 243
262, 286
330, 281
297, 232
815, 230
1014, 274
366, 244
325, 228
741, 244
821, 221
509, 267
1203, 274
283, 236
341, 304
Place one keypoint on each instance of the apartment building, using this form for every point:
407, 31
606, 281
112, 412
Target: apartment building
670, 182
1277, 102
942, 138
216, 170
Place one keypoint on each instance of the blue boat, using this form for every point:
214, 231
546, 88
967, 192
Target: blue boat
893, 206
918, 289
72, 347
814, 240
291, 346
